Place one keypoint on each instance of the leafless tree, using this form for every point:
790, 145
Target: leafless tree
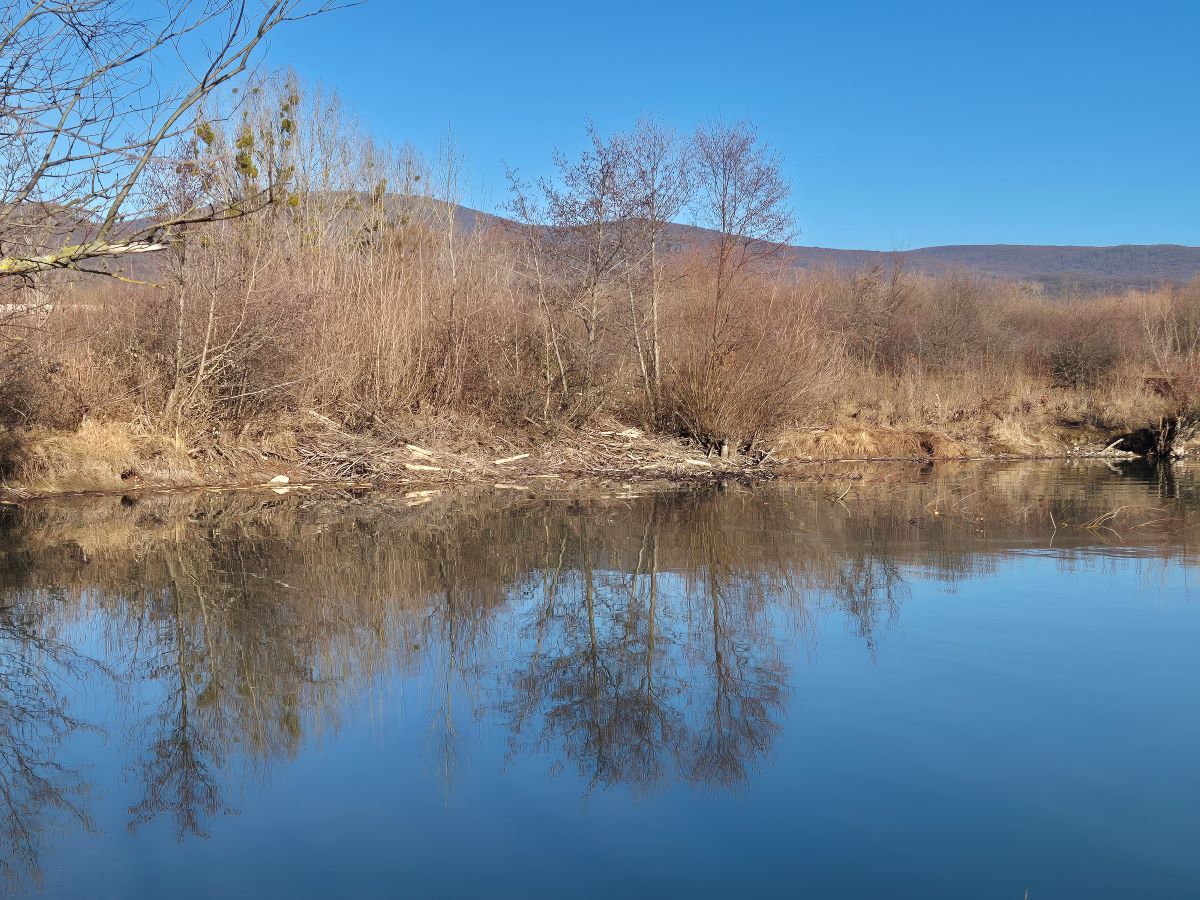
732, 363
85, 110
659, 164
578, 228
741, 197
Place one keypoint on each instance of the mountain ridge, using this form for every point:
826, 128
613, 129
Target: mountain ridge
1058, 268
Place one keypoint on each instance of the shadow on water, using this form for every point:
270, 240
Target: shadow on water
639, 640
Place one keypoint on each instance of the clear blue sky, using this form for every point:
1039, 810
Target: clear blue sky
900, 124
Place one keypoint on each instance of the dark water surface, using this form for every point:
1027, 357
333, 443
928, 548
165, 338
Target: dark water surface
968, 681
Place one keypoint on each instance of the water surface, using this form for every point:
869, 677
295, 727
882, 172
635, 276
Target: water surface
963, 681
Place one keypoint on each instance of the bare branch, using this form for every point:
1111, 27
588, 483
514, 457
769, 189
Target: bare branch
85, 110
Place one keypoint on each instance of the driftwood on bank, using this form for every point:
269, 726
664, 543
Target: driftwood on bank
618, 454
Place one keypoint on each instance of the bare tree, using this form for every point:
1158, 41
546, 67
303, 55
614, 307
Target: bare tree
724, 378
85, 111
661, 182
742, 198
578, 229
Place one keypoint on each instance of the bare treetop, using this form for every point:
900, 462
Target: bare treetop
742, 192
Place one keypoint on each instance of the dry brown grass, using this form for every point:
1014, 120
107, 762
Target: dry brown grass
846, 441
1017, 413
95, 457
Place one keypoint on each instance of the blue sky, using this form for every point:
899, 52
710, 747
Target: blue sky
900, 124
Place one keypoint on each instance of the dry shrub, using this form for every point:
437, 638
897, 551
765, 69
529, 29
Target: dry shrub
1171, 319
376, 335
1081, 356
26, 395
891, 319
866, 309
952, 326
733, 379
425, 321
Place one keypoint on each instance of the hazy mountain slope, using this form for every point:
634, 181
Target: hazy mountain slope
1059, 269
1130, 265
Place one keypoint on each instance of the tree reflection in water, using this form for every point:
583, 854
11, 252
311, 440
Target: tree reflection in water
640, 641
38, 673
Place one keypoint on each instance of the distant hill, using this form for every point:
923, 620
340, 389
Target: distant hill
1060, 270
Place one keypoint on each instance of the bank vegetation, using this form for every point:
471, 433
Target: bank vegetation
335, 313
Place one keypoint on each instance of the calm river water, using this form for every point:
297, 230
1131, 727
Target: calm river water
963, 681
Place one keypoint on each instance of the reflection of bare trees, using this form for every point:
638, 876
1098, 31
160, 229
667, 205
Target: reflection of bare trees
638, 677
229, 670
643, 642
866, 588
180, 769
180, 766
600, 680
36, 788
748, 688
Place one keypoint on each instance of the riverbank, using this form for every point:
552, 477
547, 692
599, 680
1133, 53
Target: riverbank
116, 457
